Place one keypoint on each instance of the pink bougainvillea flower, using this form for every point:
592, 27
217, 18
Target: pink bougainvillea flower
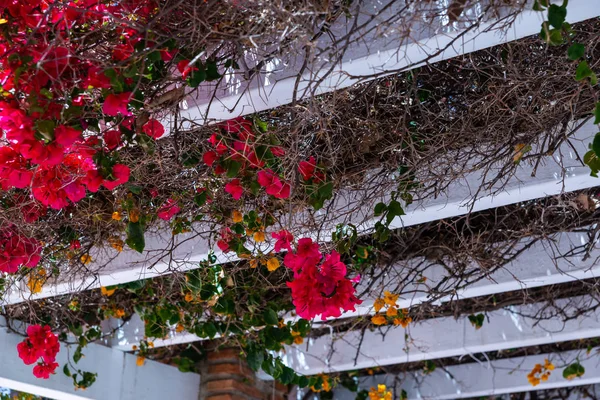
96, 79
273, 185
153, 193
184, 68
153, 128
121, 174
223, 246
116, 104
28, 353
307, 168
277, 151
209, 158
168, 210
44, 370
239, 125
112, 139
66, 136
283, 239
235, 189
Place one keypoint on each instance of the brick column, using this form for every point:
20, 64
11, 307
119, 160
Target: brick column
225, 376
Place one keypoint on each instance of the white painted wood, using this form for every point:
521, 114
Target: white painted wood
276, 85
119, 378
482, 379
442, 337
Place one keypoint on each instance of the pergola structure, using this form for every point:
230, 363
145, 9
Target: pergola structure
439, 337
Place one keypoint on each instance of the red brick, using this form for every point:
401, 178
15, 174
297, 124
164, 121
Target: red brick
237, 369
227, 397
222, 355
231, 385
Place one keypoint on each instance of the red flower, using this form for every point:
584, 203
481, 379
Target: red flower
154, 129
27, 352
121, 174
183, 66
43, 370
234, 189
277, 151
75, 245
273, 184
284, 240
223, 246
116, 104
307, 168
209, 158
96, 79
66, 135
168, 210
112, 139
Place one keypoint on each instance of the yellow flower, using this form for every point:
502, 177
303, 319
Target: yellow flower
151, 344
119, 313
259, 237
36, 281
3, 21
378, 319
253, 263
237, 216
116, 243
189, 297
116, 216
273, 264
391, 312
140, 361
86, 259
179, 328
548, 365
381, 393
107, 292
298, 340
390, 299
404, 321
378, 305
134, 215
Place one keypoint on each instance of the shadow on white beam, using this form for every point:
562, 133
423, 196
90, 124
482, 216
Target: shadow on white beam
480, 380
119, 378
275, 86
441, 338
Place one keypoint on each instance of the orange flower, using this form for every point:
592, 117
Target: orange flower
140, 361
259, 237
272, 264
378, 305
134, 215
378, 319
107, 292
116, 216
391, 312
237, 216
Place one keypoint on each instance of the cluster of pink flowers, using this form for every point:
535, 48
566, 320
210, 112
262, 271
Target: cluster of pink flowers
41, 346
320, 286
243, 149
17, 250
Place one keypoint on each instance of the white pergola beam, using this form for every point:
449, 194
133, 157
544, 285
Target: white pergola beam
276, 86
441, 338
483, 379
119, 377
556, 176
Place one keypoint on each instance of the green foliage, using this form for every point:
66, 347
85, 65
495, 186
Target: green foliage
135, 236
576, 51
585, 72
477, 320
574, 370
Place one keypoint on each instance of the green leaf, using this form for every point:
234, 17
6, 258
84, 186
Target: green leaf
211, 71
576, 51
477, 320
584, 71
233, 169
557, 15
380, 209
196, 77
270, 317
596, 144
597, 113
591, 160
135, 236
210, 330
77, 355
574, 370
66, 370
255, 357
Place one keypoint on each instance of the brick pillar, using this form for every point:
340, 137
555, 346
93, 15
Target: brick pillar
225, 376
